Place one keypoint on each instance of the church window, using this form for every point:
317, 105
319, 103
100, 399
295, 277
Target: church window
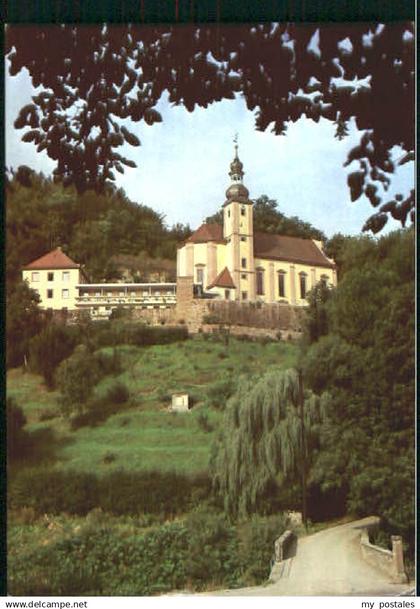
302, 277
243, 263
200, 275
282, 291
260, 282
243, 211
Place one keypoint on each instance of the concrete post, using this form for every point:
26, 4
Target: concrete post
398, 559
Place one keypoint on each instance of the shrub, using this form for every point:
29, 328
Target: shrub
76, 378
108, 363
117, 393
219, 392
17, 438
117, 492
256, 549
49, 348
109, 457
203, 422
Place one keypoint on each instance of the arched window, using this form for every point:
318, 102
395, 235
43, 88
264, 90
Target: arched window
281, 283
199, 273
303, 278
260, 282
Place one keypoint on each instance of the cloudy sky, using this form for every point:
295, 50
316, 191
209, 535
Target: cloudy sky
183, 163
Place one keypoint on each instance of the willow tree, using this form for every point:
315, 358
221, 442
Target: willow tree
262, 444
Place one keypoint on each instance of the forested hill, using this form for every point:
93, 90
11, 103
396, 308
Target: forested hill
269, 219
108, 233
105, 232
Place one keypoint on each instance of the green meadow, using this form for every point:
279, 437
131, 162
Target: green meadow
143, 435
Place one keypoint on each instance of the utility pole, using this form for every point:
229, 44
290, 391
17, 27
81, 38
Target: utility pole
302, 438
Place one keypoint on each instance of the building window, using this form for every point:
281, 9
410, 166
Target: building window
50, 276
243, 211
243, 263
302, 277
200, 275
121, 293
65, 276
50, 293
260, 282
35, 276
228, 213
244, 295
65, 294
244, 276
243, 238
324, 280
227, 294
282, 291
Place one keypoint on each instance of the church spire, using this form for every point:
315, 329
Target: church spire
236, 191
236, 173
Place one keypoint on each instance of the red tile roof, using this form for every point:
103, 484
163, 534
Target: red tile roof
223, 280
207, 232
56, 259
270, 246
290, 249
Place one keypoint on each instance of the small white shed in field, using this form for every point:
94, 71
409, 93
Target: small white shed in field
179, 402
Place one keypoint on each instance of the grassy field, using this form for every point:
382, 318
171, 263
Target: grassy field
143, 435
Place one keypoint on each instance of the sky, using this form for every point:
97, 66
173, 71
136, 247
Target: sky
183, 163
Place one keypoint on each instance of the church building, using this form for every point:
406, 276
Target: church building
233, 262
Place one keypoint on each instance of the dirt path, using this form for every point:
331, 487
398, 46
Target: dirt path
327, 563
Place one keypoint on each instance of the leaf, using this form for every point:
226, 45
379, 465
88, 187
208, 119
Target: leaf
152, 116
355, 181
407, 158
130, 138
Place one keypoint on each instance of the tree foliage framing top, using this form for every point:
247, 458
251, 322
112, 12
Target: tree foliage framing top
97, 76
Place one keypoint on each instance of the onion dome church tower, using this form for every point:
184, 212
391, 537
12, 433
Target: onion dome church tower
239, 233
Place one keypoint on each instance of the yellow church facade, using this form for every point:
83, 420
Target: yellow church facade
233, 262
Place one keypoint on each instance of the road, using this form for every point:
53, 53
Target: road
327, 563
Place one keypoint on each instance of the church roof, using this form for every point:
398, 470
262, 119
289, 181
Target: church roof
270, 246
223, 280
207, 232
290, 249
56, 259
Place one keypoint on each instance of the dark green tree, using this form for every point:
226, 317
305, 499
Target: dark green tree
23, 320
49, 348
268, 219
